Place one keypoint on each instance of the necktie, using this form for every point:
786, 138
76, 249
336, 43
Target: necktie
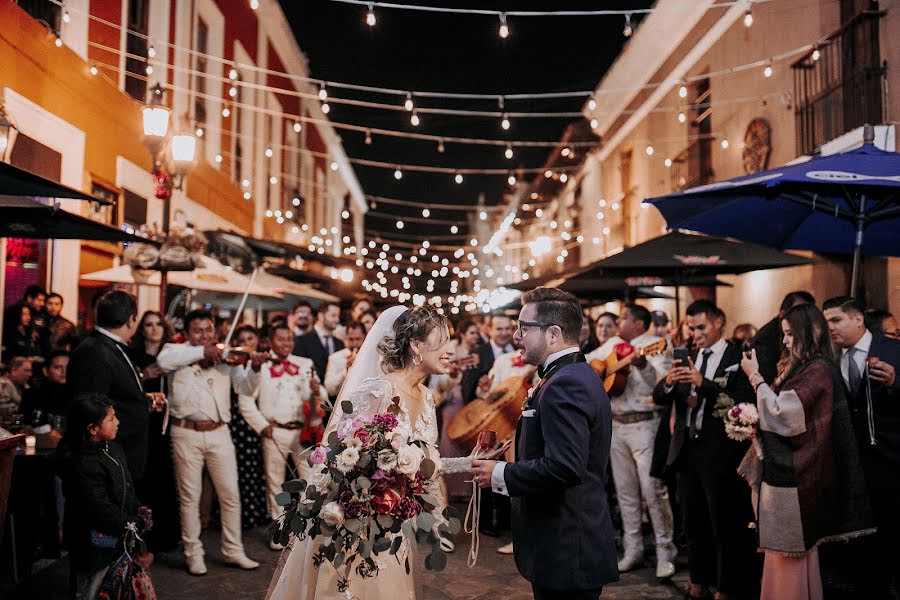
692, 418
854, 378
328, 344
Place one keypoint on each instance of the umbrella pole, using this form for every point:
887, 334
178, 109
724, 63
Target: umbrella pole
240, 310
857, 248
677, 300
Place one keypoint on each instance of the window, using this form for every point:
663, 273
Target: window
136, 49
42, 10
135, 210
104, 213
200, 75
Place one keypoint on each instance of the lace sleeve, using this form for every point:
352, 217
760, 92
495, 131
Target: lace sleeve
449, 466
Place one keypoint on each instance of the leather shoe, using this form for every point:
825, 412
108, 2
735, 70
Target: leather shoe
196, 566
664, 569
506, 549
629, 563
447, 545
242, 562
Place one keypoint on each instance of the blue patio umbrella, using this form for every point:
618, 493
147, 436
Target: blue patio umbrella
841, 204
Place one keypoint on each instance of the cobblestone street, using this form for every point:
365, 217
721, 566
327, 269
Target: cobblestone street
494, 577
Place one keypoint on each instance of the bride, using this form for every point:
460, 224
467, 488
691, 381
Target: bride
403, 347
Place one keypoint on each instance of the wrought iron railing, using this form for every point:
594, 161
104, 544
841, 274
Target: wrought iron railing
693, 165
840, 84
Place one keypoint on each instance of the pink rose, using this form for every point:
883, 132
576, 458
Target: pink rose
318, 456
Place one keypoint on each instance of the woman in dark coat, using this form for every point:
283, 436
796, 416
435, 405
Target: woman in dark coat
808, 485
157, 486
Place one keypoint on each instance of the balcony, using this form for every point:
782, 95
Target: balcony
693, 165
840, 84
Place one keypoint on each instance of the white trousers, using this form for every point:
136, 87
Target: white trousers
191, 450
284, 443
631, 455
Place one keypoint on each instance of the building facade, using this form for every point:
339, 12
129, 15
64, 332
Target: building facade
703, 93
74, 76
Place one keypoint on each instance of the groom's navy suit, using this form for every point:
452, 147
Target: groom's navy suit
562, 531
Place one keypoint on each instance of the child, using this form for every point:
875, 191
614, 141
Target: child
100, 499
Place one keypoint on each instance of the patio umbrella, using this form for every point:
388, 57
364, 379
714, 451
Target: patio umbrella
25, 218
686, 258
212, 277
19, 182
843, 203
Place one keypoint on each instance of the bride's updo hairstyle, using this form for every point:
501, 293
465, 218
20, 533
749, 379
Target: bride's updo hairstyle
414, 325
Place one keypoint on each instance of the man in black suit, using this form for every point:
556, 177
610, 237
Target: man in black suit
768, 341
100, 364
715, 501
320, 343
498, 344
562, 531
869, 364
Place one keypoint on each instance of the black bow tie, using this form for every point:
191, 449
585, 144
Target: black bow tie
568, 359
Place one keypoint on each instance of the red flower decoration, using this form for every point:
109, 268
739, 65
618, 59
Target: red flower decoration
386, 502
623, 349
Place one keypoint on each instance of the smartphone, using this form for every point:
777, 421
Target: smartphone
680, 355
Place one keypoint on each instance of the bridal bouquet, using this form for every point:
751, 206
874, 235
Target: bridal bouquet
366, 495
740, 419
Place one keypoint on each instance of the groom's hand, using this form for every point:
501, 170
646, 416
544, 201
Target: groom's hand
482, 471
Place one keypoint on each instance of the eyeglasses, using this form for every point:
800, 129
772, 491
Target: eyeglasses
526, 326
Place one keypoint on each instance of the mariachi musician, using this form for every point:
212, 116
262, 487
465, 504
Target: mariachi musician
635, 422
288, 407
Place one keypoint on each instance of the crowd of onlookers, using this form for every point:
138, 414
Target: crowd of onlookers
209, 422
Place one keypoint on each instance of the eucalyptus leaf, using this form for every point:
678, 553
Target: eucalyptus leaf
365, 548
295, 486
282, 498
408, 530
352, 525
438, 561
385, 521
427, 467
338, 559
425, 521
429, 499
381, 545
347, 407
395, 545
298, 525
454, 526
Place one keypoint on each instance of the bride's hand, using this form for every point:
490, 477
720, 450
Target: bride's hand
495, 453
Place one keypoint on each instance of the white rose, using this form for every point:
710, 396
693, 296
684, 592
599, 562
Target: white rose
408, 459
386, 460
332, 514
354, 443
347, 459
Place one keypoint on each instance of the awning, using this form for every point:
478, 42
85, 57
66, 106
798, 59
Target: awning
19, 182
26, 218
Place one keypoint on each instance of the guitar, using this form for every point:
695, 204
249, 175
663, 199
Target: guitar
312, 412
612, 368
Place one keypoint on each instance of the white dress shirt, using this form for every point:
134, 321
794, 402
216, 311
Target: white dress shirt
862, 352
199, 394
279, 399
498, 483
325, 337
638, 393
709, 372
503, 370
336, 371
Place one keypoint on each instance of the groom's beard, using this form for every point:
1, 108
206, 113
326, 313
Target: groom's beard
535, 356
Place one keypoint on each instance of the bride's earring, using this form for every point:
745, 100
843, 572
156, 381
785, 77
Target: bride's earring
417, 359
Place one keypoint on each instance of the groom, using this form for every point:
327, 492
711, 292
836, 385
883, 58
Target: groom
562, 532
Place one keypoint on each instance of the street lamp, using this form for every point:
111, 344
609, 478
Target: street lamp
8, 133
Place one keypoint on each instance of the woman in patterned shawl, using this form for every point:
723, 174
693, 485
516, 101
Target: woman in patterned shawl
808, 487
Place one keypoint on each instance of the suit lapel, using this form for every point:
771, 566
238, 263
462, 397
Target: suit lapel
119, 353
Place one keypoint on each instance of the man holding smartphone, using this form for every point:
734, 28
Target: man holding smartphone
715, 501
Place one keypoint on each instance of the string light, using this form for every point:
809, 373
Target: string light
816, 54
511, 180
232, 74
649, 150
58, 42
226, 112
682, 91
370, 16
595, 123
323, 93
408, 105
425, 213
199, 132
682, 117
592, 104
269, 153
504, 27
458, 178
504, 123
399, 224
767, 72
297, 127
414, 119
440, 146
748, 18
725, 144
325, 108
66, 18
454, 229
254, 4
151, 51
628, 29
93, 70
668, 162
509, 152
232, 91
398, 174
368, 139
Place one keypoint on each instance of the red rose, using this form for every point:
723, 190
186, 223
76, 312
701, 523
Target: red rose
386, 502
362, 435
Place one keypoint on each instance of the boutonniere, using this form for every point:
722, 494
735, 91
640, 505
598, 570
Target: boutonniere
528, 396
729, 371
724, 403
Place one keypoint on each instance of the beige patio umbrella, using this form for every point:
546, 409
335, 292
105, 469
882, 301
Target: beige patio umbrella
213, 276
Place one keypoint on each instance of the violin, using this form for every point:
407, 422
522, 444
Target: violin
311, 434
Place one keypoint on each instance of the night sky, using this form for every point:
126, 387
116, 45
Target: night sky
453, 53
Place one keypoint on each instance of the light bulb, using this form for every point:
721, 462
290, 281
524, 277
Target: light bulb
370, 16
592, 104
368, 139
269, 153
325, 108
668, 162
218, 159
149, 70
199, 132
399, 224
682, 117
725, 144
151, 51
254, 4
226, 112
483, 216
273, 180
682, 91
414, 119
748, 19
93, 70
425, 213
504, 28
323, 93
334, 165
563, 178
767, 72
232, 91
509, 152
504, 123
58, 43
454, 229
232, 74
398, 174
408, 105
440, 147
296, 201
649, 150
66, 18
595, 123
458, 178
297, 127
628, 29
511, 180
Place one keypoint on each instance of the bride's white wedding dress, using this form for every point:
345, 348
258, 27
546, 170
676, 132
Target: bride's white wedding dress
296, 577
